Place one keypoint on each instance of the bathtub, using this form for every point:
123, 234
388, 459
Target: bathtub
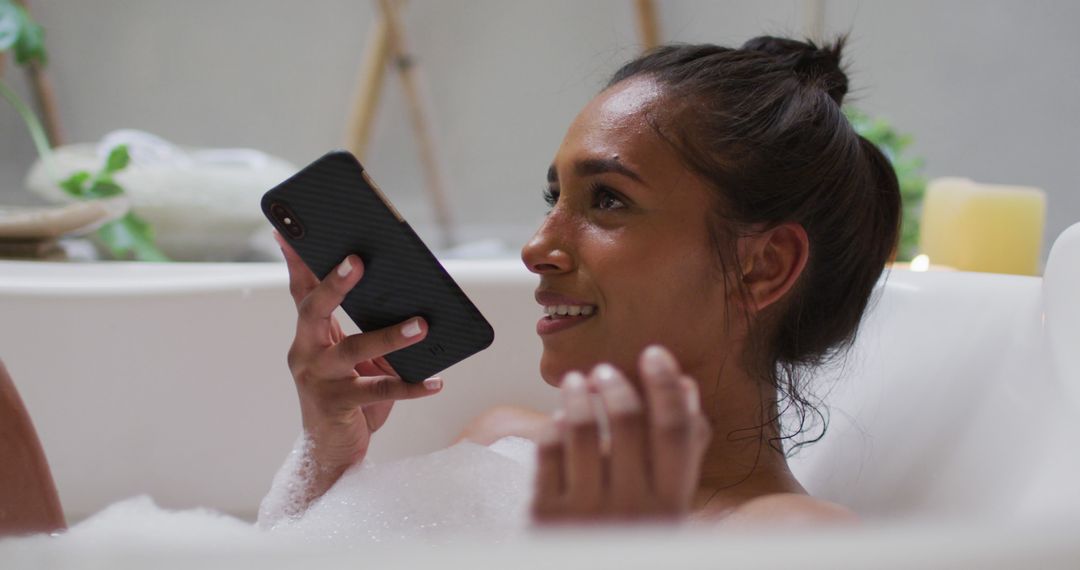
170, 379
955, 414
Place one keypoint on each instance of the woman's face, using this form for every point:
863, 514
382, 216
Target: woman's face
625, 250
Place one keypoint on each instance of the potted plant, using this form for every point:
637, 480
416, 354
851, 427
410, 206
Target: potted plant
128, 236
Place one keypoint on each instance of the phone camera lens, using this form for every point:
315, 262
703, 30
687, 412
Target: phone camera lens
286, 220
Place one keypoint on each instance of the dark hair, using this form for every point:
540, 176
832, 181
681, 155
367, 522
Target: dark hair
763, 125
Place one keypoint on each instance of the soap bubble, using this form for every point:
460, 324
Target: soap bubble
286, 499
467, 488
139, 521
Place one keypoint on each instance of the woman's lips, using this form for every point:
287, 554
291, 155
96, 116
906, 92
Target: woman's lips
551, 324
562, 312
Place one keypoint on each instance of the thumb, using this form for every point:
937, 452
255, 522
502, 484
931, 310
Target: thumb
376, 414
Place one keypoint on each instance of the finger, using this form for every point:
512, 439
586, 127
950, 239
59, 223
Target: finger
301, 280
382, 364
550, 480
376, 414
699, 422
375, 367
584, 462
369, 345
628, 471
367, 390
315, 320
670, 424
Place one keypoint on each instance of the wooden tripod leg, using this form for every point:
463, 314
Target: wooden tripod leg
420, 122
369, 86
46, 103
44, 98
814, 20
648, 26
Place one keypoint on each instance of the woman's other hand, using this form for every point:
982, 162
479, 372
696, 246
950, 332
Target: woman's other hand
346, 388
646, 467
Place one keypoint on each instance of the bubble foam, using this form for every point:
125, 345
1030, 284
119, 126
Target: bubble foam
138, 521
467, 488
464, 490
287, 496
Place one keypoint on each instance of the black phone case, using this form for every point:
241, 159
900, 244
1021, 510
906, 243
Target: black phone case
342, 212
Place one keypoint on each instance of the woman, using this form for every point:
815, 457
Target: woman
28, 499
716, 228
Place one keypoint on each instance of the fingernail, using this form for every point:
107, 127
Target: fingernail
574, 381
411, 328
693, 400
605, 373
657, 361
433, 384
344, 268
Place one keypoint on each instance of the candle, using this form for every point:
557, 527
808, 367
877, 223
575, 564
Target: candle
983, 227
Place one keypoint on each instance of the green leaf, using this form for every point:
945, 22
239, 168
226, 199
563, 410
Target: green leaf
74, 184
104, 189
116, 238
9, 25
118, 159
908, 173
147, 250
131, 236
30, 45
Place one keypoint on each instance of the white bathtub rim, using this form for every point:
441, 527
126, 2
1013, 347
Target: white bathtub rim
1045, 542
121, 278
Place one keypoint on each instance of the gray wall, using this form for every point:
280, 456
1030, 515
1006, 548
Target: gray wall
988, 88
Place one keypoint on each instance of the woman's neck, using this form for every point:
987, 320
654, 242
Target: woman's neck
744, 460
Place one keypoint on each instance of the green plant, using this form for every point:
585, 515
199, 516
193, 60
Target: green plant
128, 236
908, 168
20, 34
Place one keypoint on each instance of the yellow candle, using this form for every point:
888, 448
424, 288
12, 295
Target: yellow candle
983, 227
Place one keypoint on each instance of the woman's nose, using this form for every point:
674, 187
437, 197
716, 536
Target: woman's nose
547, 251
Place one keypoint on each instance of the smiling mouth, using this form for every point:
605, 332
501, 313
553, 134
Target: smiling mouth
567, 311
557, 318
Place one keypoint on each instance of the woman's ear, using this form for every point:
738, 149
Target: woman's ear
771, 263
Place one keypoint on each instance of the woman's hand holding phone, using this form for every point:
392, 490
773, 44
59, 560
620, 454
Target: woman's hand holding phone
346, 388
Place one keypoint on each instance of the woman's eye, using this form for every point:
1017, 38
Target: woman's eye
551, 197
606, 199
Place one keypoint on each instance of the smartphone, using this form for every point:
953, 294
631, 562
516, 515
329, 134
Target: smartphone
331, 209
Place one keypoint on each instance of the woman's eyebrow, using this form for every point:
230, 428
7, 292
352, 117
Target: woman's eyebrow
594, 166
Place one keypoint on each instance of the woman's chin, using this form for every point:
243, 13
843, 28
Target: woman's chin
555, 365
550, 375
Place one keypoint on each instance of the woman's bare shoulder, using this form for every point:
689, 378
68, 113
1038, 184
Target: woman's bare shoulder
790, 509
502, 421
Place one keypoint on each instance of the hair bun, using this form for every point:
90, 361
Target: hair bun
815, 66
